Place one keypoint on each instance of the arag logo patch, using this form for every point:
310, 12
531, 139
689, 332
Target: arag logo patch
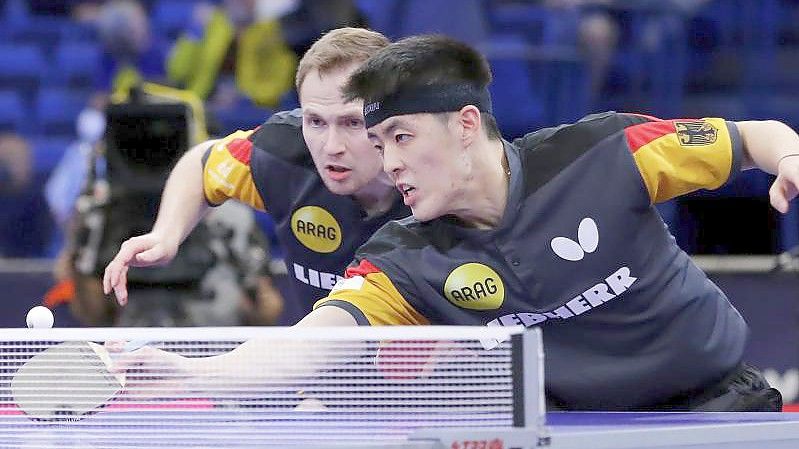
475, 286
316, 228
696, 133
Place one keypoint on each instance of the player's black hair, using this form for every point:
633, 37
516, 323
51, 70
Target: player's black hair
422, 62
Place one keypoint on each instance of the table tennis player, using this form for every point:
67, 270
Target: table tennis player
556, 230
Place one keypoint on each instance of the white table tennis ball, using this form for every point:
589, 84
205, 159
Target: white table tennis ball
39, 317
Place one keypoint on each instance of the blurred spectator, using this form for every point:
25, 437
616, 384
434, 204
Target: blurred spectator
589, 25
598, 37
132, 53
62, 8
25, 226
69, 176
233, 53
85, 11
15, 163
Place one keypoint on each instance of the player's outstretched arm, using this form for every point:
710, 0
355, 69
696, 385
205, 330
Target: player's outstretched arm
253, 360
273, 360
182, 206
773, 147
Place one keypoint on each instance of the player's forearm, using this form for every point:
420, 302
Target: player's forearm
183, 201
766, 142
259, 361
272, 359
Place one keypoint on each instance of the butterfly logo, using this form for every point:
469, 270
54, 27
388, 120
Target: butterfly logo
587, 242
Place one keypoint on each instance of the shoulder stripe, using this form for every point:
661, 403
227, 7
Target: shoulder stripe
227, 172
241, 149
644, 133
547, 152
669, 170
362, 269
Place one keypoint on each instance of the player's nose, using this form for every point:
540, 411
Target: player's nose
392, 164
334, 142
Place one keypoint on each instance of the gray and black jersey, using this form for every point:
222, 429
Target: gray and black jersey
270, 168
628, 320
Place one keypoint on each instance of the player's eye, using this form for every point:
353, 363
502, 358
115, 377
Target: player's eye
379, 149
400, 138
315, 122
355, 123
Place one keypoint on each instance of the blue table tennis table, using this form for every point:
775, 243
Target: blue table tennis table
233, 428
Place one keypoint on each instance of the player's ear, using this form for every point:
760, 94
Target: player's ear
470, 121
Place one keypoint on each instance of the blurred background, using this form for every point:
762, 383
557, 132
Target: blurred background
63, 62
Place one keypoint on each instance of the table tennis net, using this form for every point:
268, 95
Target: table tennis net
281, 385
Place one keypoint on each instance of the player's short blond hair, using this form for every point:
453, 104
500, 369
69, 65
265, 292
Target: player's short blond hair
339, 48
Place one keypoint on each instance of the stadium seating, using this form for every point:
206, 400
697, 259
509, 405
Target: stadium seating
77, 63
170, 17
382, 15
21, 67
56, 110
14, 114
462, 19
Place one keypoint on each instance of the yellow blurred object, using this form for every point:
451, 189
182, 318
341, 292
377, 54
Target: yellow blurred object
264, 67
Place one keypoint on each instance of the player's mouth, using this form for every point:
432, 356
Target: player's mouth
337, 172
408, 193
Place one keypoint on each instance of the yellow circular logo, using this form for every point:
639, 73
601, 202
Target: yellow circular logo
475, 286
315, 228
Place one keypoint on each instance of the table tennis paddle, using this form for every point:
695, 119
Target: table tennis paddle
67, 381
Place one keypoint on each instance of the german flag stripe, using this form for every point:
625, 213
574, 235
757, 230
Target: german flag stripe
241, 150
644, 133
227, 174
697, 154
362, 269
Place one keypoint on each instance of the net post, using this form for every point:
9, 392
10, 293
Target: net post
526, 428
529, 405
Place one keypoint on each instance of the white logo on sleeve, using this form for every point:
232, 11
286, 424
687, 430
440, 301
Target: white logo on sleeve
587, 242
224, 169
353, 283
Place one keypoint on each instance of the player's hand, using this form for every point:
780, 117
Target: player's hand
151, 372
142, 251
786, 186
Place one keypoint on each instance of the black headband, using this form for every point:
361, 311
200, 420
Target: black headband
429, 99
